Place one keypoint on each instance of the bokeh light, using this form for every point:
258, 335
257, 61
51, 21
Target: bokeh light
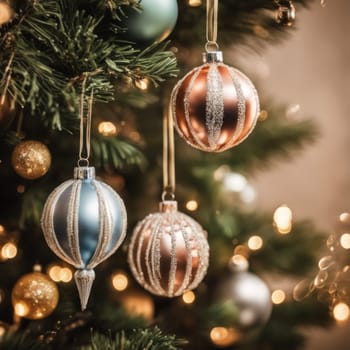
8, 251
107, 129
188, 297
192, 205
120, 281
278, 296
345, 240
282, 218
255, 242
341, 312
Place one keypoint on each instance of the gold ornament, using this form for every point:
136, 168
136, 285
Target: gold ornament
31, 159
34, 296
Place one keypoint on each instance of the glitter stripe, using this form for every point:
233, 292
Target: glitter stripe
241, 105
188, 91
73, 224
47, 222
214, 107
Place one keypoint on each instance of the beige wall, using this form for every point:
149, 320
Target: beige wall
312, 69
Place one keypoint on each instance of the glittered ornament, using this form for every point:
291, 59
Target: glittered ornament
84, 222
31, 159
215, 107
153, 24
249, 295
34, 296
285, 13
169, 252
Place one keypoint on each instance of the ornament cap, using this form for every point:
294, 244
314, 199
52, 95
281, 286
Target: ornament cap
213, 57
84, 173
168, 206
84, 279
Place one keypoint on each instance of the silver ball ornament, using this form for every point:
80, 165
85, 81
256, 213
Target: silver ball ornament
84, 222
250, 296
169, 252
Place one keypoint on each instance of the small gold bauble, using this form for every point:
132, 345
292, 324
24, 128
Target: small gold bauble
34, 296
31, 159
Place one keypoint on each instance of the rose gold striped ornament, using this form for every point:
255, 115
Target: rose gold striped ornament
169, 252
215, 107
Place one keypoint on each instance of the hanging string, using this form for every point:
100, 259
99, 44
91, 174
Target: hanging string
85, 126
168, 156
7, 76
212, 25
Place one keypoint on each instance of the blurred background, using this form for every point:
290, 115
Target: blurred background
311, 70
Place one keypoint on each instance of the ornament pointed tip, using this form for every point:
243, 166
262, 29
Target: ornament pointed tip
84, 280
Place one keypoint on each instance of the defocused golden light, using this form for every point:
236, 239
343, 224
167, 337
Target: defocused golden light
282, 218
192, 205
107, 129
2, 331
21, 188
345, 218
2, 230
194, 3
55, 273
189, 297
263, 115
120, 281
138, 303
66, 275
345, 240
278, 296
1, 295
21, 309
255, 242
241, 250
222, 336
6, 13
341, 312
142, 84
240, 262
261, 31
9, 251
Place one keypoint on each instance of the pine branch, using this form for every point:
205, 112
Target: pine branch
139, 339
19, 341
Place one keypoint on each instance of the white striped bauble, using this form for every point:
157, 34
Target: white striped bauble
84, 222
215, 107
169, 252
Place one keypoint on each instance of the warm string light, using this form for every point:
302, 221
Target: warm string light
242, 250
255, 242
239, 262
142, 84
60, 274
344, 218
282, 219
341, 312
223, 336
345, 240
189, 297
120, 281
6, 13
194, 3
192, 205
2, 230
278, 296
138, 304
8, 251
106, 128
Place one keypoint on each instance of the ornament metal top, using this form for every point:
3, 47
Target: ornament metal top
215, 107
285, 14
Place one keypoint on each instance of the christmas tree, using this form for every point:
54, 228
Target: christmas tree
63, 63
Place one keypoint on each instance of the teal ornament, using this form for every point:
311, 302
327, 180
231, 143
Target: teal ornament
84, 223
153, 24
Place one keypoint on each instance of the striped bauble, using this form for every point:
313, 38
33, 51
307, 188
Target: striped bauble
169, 252
215, 106
84, 222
